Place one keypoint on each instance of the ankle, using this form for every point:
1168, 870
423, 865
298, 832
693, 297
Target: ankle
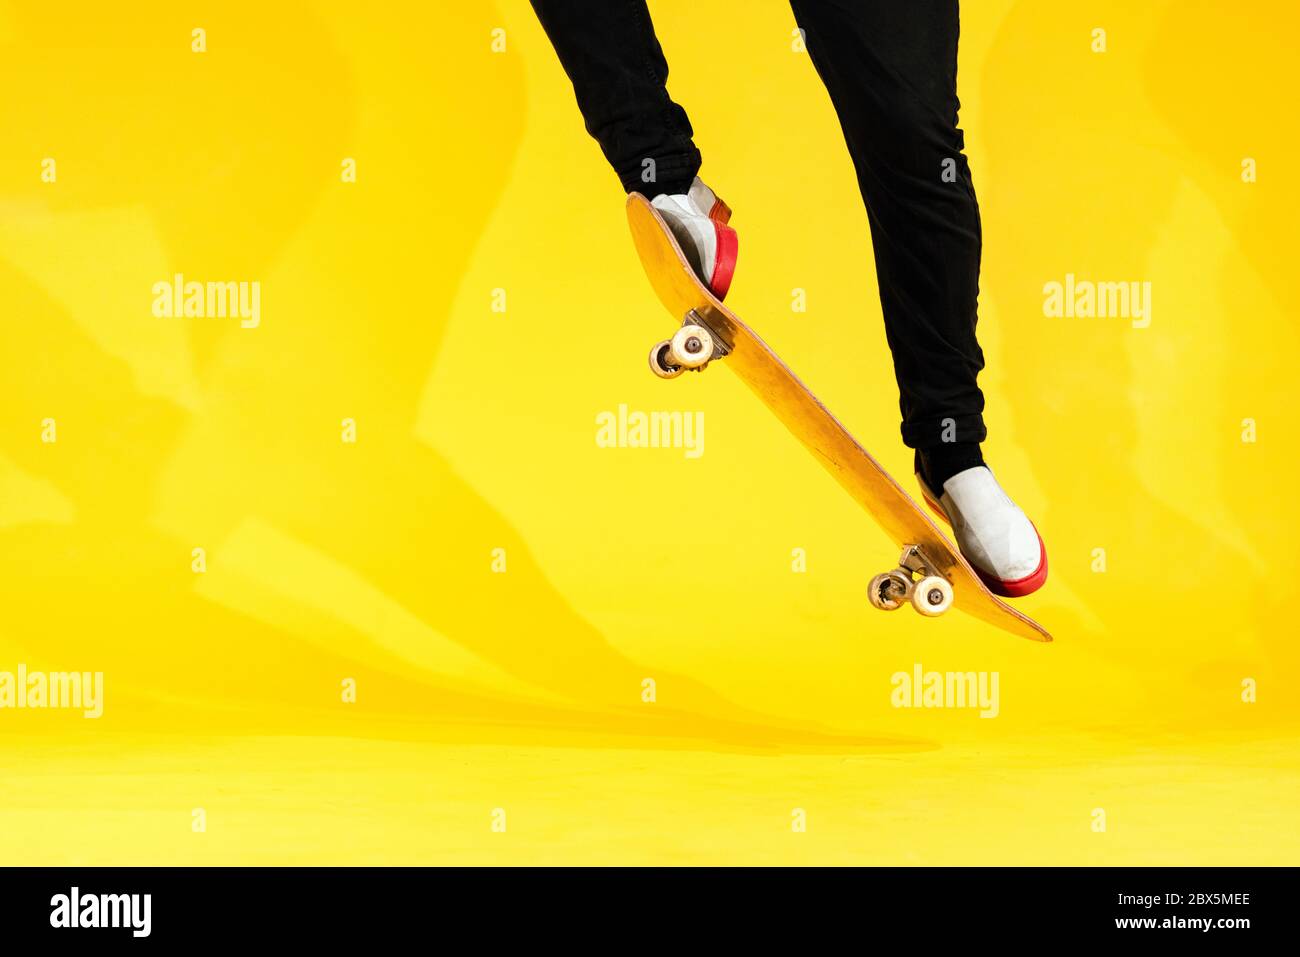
668, 187
939, 463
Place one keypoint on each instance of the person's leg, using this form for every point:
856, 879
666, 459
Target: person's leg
890, 67
609, 50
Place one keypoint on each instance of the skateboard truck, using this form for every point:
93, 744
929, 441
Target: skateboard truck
691, 348
916, 580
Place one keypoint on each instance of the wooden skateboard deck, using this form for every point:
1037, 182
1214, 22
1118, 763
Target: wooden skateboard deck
902, 519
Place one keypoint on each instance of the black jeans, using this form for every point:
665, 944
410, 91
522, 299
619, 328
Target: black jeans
890, 67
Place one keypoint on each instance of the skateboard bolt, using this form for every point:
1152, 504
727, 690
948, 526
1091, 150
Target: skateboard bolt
934, 596
693, 344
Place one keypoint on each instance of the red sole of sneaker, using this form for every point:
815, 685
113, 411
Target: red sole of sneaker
725, 267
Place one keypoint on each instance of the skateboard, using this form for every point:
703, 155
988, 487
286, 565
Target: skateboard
931, 576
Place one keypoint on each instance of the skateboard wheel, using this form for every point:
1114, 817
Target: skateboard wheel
660, 364
888, 590
932, 596
691, 347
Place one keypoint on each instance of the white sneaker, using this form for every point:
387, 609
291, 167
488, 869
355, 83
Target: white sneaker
709, 202
698, 220
994, 535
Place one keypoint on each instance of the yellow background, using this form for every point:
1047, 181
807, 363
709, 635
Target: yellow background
522, 690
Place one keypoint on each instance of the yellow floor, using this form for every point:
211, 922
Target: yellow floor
340, 800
